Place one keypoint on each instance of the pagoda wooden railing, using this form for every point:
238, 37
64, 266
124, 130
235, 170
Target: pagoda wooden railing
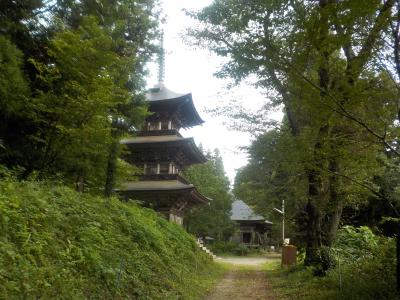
154, 177
158, 132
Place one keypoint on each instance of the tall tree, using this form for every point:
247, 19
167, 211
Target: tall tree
84, 64
212, 220
320, 58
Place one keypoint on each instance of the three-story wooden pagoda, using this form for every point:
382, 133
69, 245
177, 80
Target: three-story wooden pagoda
162, 153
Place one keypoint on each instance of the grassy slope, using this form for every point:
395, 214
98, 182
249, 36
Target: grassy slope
56, 243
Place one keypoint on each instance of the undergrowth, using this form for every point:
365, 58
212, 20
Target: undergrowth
364, 269
58, 244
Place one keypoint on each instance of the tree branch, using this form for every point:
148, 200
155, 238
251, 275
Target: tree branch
356, 64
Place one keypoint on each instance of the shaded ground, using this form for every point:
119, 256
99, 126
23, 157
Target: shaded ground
245, 280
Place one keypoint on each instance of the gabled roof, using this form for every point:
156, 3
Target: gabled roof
242, 212
162, 99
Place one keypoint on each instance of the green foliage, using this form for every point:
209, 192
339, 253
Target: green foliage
370, 276
275, 172
352, 243
241, 250
71, 84
210, 179
79, 90
230, 248
326, 63
13, 86
57, 243
222, 247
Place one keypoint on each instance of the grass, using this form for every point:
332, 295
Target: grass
56, 243
295, 283
357, 282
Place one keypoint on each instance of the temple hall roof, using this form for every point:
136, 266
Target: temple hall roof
242, 212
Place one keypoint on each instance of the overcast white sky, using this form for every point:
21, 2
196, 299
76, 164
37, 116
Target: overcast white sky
191, 70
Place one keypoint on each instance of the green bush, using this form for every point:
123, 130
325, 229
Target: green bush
223, 247
58, 244
370, 277
229, 248
241, 250
354, 243
366, 277
365, 265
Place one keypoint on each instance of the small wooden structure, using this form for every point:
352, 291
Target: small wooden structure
289, 255
253, 229
161, 152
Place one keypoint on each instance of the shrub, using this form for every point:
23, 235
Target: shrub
354, 243
365, 265
223, 247
241, 250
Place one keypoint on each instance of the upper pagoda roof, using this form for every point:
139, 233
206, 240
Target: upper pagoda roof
162, 99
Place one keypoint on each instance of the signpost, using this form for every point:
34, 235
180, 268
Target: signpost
282, 212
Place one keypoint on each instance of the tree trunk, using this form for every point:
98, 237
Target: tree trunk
313, 221
398, 258
111, 167
316, 197
80, 183
335, 203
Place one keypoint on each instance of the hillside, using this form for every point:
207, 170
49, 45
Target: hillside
57, 243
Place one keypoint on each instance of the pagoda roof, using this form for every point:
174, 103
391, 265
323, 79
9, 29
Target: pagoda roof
242, 212
158, 187
189, 149
161, 99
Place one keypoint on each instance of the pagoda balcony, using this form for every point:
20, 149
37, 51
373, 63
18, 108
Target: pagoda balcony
158, 132
156, 177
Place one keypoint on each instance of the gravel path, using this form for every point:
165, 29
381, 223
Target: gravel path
243, 283
245, 261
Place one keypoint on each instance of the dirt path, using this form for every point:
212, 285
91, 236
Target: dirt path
246, 280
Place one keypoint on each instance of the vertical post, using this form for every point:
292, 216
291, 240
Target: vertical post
283, 222
398, 257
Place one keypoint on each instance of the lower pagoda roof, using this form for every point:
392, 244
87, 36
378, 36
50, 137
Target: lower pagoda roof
182, 149
157, 185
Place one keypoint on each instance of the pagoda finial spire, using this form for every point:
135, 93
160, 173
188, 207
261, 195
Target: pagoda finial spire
161, 60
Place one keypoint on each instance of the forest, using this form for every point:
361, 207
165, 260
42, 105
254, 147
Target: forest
72, 85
